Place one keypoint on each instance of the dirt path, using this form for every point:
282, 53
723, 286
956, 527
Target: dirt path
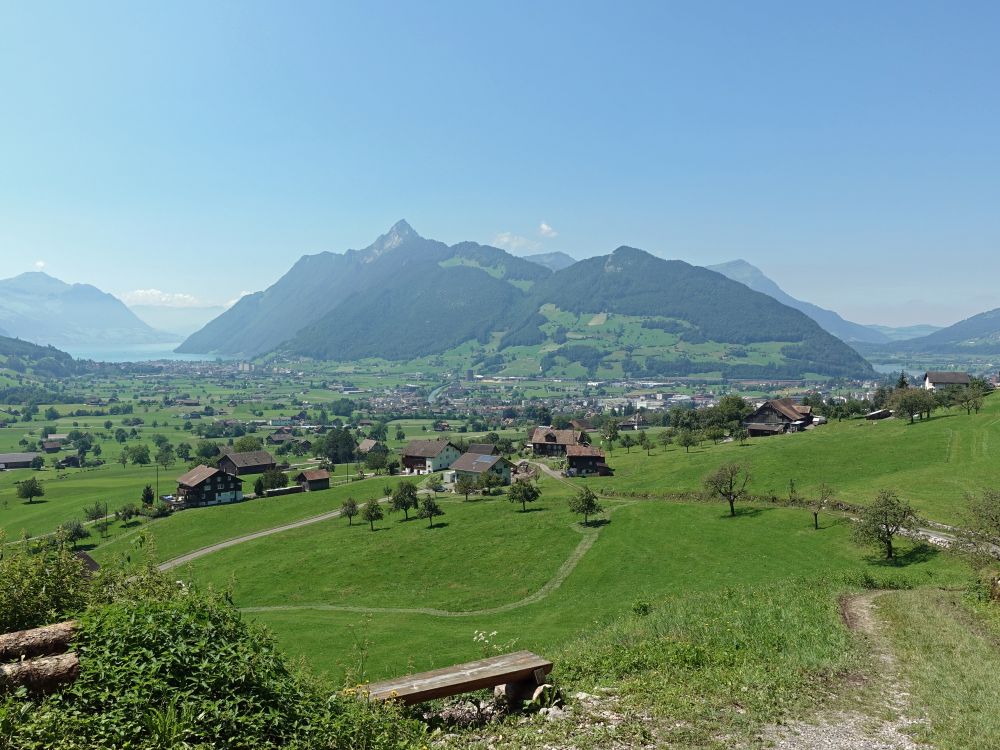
853, 729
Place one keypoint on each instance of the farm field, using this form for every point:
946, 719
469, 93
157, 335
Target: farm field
199, 527
359, 604
933, 464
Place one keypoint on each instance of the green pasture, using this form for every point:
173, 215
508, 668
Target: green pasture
933, 464
489, 555
194, 528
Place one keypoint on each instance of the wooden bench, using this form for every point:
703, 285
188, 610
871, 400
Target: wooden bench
521, 668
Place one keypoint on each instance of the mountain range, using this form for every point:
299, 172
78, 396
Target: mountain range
975, 336
39, 308
404, 297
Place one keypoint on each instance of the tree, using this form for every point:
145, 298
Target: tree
584, 503
665, 438
29, 489
820, 503
523, 492
376, 460
610, 432
127, 512
715, 434
165, 456
686, 438
740, 434
429, 508
400, 434
372, 512
644, 441
908, 401
901, 381
96, 511
248, 444
123, 457
73, 531
148, 496
258, 487
488, 482
403, 498
183, 451
729, 482
627, 442
38, 463
879, 522
466, 486
349, 509
274, 479
139, 455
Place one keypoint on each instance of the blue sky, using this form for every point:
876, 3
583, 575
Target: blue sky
850, 150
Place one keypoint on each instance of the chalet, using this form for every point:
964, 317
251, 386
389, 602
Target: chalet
281, 438
204, 485
936, 380
187, 402
778, 416
252, 462
70, 461
17, 460
425, 456
368, 445
475, 466
634, 423
584, 460
548, 442
52, 446
483, 449
313, 479
582, 425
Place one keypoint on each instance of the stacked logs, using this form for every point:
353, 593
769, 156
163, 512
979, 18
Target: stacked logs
37, 659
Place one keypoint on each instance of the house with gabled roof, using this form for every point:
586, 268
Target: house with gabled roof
778, 416
476, 466
483, 449
935, 380
427, 456
585, 460
251, 462
313, 479
206, 485
546, 441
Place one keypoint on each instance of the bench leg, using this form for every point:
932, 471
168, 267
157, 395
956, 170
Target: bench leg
516, 693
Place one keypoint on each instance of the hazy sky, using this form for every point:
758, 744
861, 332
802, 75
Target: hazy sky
850, 150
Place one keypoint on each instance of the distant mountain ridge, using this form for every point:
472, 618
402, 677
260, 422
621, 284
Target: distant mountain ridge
753, 277
978, 335
555, 261
406, 297
39, 308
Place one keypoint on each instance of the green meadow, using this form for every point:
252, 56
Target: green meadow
933, 463
350, 600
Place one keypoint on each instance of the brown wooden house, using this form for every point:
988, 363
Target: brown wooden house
777, 416
585, 460
205, 485
546, 441
313, 479
252, 462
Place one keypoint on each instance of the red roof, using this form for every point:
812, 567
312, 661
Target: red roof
312, 475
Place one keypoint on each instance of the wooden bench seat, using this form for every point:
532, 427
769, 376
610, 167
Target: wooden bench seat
518, 667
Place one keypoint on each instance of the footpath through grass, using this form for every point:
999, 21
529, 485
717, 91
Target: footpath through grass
949, 652
489, 554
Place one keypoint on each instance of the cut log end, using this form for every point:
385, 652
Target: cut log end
40, 676
44, 641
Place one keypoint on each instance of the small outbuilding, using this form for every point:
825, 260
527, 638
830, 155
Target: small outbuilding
313, 479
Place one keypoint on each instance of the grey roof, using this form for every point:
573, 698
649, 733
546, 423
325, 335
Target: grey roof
948, 378
251, 458
475, 462
483, 449
16, 458
197, 475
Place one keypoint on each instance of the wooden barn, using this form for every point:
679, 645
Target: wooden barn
313, 479
252, 462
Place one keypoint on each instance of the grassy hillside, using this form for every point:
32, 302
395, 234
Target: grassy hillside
488, 557
931, 463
